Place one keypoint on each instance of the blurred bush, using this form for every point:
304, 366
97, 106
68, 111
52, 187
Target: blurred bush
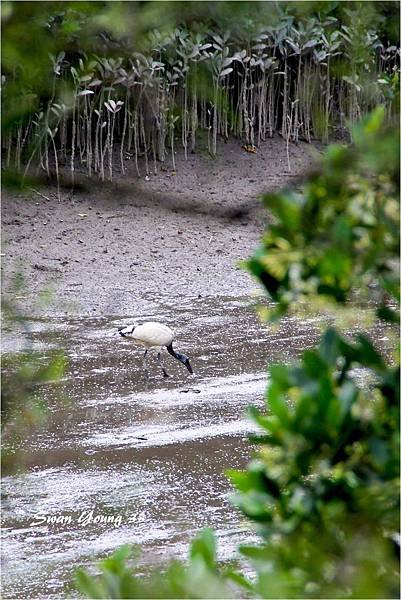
324, 489
24, 372
341, 233
200, 578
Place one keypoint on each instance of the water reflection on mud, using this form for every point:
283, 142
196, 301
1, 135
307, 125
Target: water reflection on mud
148, 454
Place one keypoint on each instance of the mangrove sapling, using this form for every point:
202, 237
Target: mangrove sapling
113, 108
209, 130
172, 122
192, 53
91, 99
214, 119
106, 126
223, 74
72, 158
154, 151
244, 106
135, 127
88, 111
251, 117
78, 78
236, 124
125, 124
9, 146
184, 110
331, 45
52, 136
142, 132
106, 147
271, 118
197, 55
224, 126
82, 124
161, 130
56, 68
39, 134
63, 133
220, 68
262, 62
102, 147
58, 111
294, 112
306, 97
292, 130
254, 75
25, 139
18, 148
99, 124
144, 70
284, 122
83, 129
194, 118
307, 38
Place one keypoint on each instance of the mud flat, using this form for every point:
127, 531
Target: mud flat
149, 453
109, 248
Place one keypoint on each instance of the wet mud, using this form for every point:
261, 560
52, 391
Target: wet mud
144, 453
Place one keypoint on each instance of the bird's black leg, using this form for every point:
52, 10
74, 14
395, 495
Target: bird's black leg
159, 359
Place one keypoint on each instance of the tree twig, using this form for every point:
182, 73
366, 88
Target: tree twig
39, 194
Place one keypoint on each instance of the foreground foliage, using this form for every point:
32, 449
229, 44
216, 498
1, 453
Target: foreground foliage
23, 375
342, 232
201, 578
323, 489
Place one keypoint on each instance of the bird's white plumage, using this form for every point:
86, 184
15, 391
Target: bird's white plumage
155, 335
150, 334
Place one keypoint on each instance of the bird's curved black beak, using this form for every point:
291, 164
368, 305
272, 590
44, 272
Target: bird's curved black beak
188, 366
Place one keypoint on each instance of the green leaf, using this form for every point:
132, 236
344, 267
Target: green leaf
368, 355
88, 585
347, 396
328, 347
277, 403
204, 547
238, 579
387, 314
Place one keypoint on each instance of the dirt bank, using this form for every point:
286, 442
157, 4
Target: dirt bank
113, 248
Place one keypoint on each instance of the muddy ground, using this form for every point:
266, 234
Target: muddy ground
117, 442
110, 248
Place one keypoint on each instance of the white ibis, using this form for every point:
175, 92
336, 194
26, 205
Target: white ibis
154, 335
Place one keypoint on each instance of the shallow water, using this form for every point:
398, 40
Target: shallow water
149, 453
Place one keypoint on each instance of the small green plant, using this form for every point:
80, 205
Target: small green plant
199, 578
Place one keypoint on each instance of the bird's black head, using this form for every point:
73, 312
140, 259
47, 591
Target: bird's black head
186, 362
181, 357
